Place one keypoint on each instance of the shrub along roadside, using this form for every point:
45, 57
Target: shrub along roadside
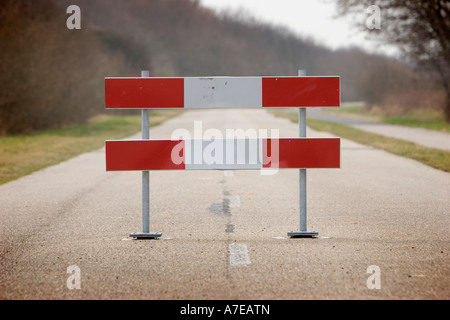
51, 76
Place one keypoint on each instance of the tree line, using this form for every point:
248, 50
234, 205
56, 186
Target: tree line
420, 29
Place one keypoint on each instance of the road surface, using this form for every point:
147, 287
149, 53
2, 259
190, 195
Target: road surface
224, 232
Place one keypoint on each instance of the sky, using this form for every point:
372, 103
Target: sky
311, 18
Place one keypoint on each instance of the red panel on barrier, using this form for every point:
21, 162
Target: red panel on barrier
143, 155
301, 92
140, 93
302, 153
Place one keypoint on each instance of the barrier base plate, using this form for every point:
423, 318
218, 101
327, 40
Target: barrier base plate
302, 234
144, 236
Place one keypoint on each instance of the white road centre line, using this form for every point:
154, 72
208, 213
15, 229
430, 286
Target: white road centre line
239, 255
228, 173
234, 201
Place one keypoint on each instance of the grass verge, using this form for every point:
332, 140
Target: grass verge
23, 154
427, 119
420, 118
435, 158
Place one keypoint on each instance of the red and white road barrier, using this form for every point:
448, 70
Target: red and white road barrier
222, 154
222, 92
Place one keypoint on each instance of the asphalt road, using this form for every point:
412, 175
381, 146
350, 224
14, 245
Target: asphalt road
224, 232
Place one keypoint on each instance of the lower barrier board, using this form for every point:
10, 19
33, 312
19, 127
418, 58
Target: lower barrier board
222, 154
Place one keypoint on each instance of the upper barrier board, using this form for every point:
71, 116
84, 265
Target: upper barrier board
222, 92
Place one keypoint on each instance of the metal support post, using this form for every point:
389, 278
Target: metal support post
145, 181
302, 233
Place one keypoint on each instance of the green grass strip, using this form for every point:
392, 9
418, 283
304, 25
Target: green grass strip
23, 154
431, 120
427, 119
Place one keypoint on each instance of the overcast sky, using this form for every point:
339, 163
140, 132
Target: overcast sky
312, 18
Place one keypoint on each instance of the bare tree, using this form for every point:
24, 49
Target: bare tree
420, 29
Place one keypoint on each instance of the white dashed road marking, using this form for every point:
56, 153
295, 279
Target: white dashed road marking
239, 255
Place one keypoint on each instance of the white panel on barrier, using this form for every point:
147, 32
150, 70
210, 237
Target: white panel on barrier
225, 92
223, 154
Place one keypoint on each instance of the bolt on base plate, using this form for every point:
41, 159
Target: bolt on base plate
144, 236
302, 234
